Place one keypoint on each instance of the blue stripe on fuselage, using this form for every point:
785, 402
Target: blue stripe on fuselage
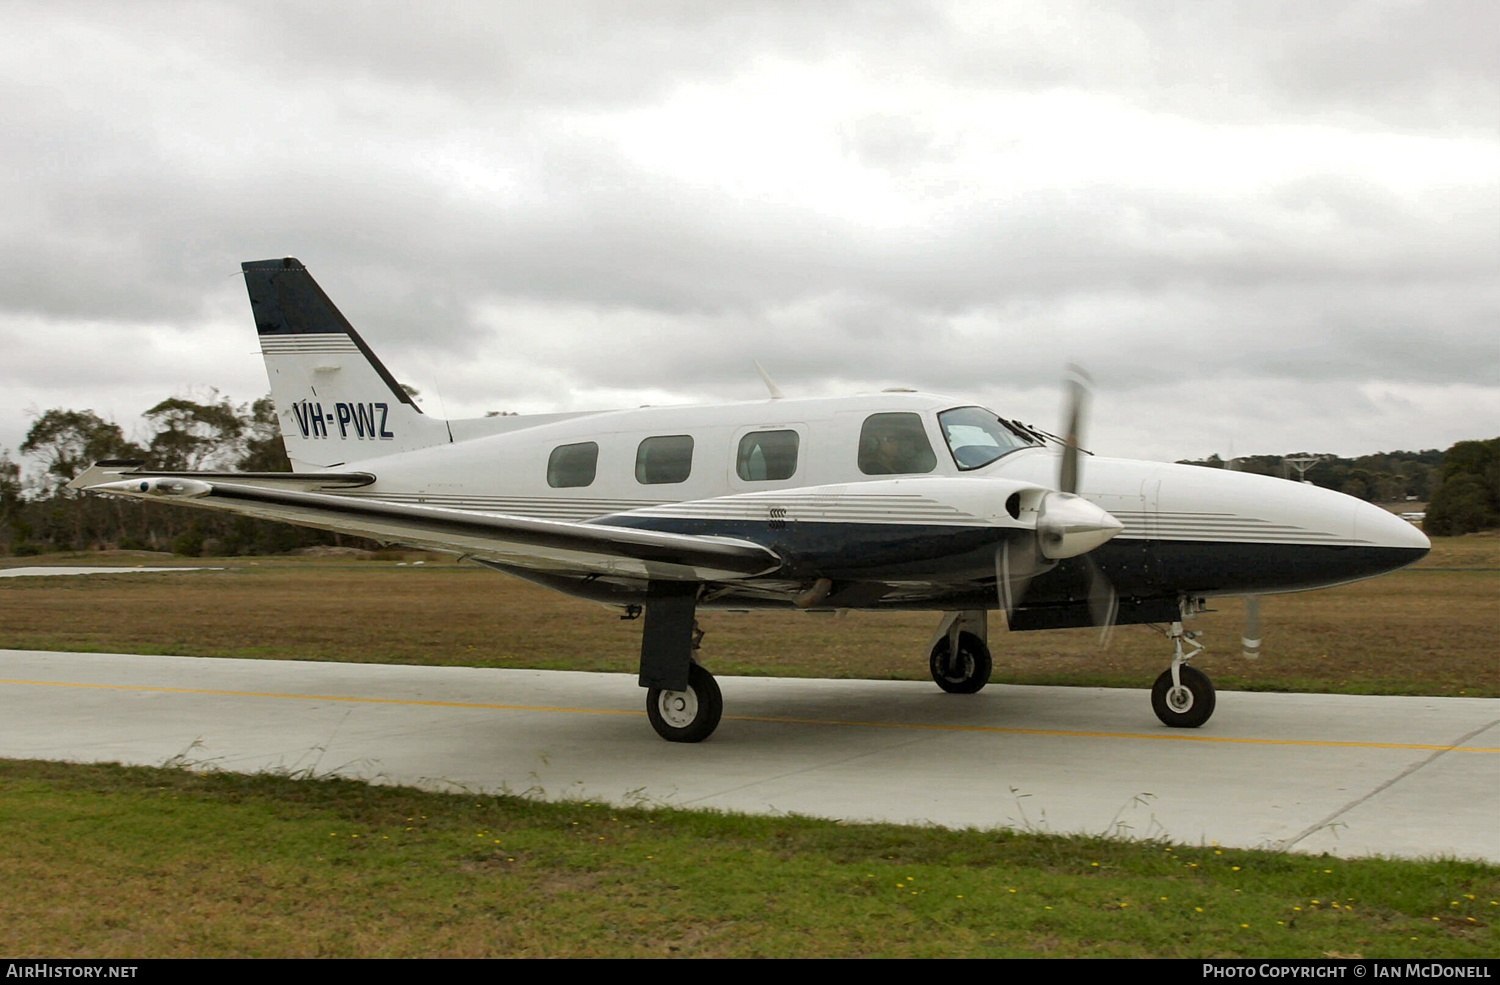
965, 555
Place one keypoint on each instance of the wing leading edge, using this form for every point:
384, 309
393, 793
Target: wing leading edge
549, 545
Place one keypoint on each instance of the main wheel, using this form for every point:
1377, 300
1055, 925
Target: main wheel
1187, 706
966, 673
686, 716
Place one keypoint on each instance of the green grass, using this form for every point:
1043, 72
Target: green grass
133, 862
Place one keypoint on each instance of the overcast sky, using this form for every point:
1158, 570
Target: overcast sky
1263, 227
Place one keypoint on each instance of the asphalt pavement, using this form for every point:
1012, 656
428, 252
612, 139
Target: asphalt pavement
1343, 774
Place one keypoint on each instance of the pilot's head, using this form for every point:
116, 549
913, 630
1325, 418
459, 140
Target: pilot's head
891, 450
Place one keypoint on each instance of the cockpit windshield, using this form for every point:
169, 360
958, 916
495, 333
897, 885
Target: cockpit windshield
977, 437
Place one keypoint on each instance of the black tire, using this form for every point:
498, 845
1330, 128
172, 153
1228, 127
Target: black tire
1189, 709
966, 675
686, 716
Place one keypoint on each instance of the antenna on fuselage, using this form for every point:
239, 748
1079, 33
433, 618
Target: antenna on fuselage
776, 393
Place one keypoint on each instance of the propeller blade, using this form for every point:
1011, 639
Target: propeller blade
1077, 386
1067, 526
1016, 563
1005, 589
1104, 602
1250, 642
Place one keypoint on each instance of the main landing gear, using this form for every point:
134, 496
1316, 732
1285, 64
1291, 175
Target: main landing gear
682, 699
1183, 696
960, 659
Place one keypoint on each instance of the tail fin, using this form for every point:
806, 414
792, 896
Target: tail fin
336, 401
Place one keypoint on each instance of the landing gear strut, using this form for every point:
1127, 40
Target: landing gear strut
1183, 696
682, 699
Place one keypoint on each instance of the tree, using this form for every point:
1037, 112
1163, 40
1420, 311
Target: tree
69, 441
10, 494
10, 483
1462, 505
191, 435
264, 449
1468, 498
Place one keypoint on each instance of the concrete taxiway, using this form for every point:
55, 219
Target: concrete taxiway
1347, 775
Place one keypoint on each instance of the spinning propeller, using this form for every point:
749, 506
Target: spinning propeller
1250, 639
1067, 524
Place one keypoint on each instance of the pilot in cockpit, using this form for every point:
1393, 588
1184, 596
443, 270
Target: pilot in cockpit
888, 456
892, 445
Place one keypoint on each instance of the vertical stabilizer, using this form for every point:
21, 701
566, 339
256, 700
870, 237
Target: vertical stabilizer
336, 401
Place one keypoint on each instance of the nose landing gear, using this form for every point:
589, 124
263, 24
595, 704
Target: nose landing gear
1183, 696
959, 658
965, 673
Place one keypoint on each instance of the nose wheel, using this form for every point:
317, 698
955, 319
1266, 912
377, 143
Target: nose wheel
1183, 696
965, 672
1186, 703
686, 716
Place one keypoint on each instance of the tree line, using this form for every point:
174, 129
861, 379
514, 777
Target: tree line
1468, 497
1387, 477
1461, 486
38, 513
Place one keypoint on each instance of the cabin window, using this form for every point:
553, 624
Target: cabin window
976, 437
767, 455
895, 444
665, 459
572, 465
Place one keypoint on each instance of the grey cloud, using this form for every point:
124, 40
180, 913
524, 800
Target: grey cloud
150, 149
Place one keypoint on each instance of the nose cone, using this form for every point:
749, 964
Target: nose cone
1252, 534
1385, 529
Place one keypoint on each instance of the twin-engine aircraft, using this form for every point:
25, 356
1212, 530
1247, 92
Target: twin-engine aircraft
892, 500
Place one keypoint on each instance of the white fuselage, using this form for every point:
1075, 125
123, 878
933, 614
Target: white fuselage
1263, 534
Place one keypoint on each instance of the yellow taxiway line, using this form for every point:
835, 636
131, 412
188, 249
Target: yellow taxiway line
1168, 737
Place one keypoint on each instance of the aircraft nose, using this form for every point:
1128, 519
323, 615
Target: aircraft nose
1290, 536
1385, 529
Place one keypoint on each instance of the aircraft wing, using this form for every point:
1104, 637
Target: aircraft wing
547, 545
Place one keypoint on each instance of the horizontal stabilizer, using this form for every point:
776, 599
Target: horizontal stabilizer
113, 471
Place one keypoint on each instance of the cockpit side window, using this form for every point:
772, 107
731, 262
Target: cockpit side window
895, 444
976, 437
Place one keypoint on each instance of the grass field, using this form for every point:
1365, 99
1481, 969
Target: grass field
110, 861
127, 862
1430, 629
